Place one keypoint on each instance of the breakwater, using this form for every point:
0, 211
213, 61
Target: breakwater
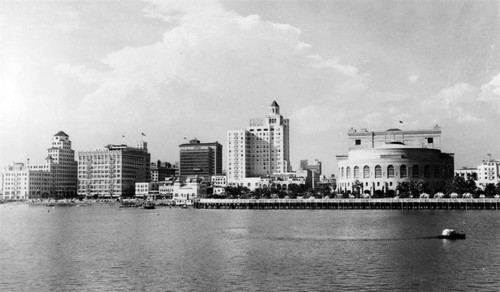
383, 204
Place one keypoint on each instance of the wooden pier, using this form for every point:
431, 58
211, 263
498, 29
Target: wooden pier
349, 204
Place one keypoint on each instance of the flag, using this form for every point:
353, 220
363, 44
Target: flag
143, 134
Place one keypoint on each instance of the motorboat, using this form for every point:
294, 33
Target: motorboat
149, 205
451, 234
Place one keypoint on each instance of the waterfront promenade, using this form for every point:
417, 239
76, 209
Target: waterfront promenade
383, 204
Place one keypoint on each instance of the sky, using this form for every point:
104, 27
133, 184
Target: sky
176, 70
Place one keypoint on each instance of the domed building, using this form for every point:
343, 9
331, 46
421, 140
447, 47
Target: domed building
378, 161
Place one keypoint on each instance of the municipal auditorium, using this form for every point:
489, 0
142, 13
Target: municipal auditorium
378, 161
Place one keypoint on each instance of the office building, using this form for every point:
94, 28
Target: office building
112, 171
200, 159
21, 183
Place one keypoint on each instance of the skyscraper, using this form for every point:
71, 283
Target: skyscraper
64, 166
201, 159
263, 149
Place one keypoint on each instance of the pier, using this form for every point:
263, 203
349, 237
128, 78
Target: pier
350, 204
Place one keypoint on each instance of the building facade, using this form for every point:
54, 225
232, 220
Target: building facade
200, 159
59, 164
263, 149
161, 170
21, 183
315, 169
379, 162
112, 171
467, 173
364, 139
63, 166
181, 191
488, 172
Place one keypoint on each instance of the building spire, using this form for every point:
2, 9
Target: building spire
274, 109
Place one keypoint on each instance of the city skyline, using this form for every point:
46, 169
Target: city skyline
101, 71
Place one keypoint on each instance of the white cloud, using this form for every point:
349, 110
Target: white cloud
490, 92
413, 78
209, 58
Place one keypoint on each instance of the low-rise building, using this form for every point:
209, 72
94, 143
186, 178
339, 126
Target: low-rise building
219, 180
181, 191
160, 170
467, 173
147, 189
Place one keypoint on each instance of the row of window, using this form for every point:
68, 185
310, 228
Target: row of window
438, 171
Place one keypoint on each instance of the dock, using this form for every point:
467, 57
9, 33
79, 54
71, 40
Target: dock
350, 204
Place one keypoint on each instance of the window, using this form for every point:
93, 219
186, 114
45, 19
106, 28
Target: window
427, 171
366, 172
430, 140
348, 172
415, 171
402, 171
356, 172
358, 141
342, 172
378, 171
390, 171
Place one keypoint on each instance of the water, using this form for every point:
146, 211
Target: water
106, 248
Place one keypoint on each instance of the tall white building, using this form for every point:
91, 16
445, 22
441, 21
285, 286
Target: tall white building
263, 149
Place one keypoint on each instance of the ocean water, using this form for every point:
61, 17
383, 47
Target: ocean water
106, 248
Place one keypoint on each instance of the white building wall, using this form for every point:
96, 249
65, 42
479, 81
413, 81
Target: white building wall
261, 150
488, 173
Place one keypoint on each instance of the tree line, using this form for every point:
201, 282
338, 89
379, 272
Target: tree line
407, 189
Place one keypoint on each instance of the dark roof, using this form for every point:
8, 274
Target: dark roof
393, 130
61, 133
274, 103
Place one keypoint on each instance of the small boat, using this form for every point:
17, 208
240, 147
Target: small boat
451, 234
149, 205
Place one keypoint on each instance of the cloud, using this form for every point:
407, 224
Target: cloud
206, 62
413, 78
490, 92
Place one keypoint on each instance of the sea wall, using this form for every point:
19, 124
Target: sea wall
370, 204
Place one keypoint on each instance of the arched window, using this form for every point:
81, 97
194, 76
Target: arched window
402, 171
356, 172
366, 172
348, 172
427, 171
390, 171
342, 172
415, 171
378, 171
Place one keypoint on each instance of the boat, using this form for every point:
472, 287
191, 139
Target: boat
149, 205
451, 234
